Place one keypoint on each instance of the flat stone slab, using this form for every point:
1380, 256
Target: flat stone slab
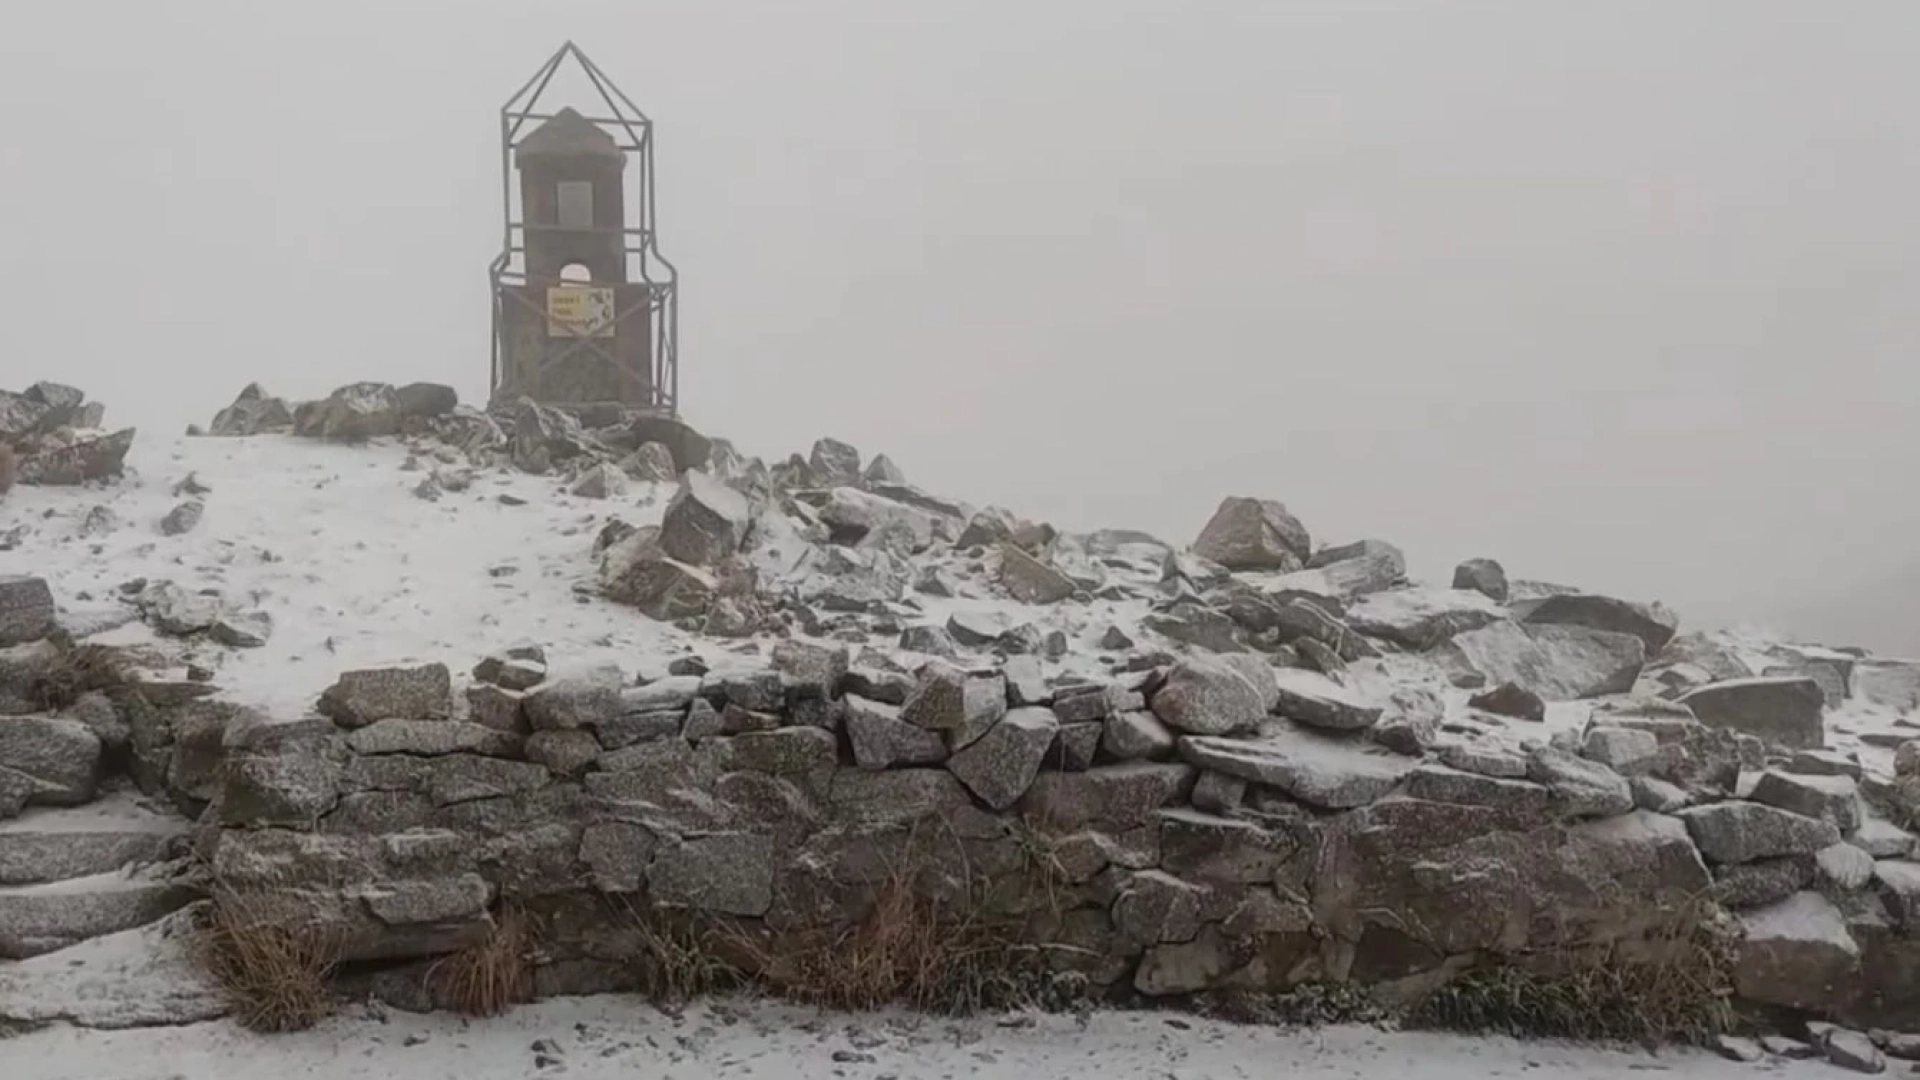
36, 919
143, 977
54, 844
1330, 773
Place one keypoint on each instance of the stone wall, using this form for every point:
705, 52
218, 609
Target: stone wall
1098, 819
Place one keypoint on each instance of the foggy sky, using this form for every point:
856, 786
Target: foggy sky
1622, 293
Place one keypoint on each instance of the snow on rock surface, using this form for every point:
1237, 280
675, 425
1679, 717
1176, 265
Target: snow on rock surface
414, 662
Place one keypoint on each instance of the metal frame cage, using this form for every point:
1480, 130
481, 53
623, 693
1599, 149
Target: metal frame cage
632, 131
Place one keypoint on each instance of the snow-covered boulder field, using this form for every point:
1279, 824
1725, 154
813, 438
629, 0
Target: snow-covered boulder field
401, 672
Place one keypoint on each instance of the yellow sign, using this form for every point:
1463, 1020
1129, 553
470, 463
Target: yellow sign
579, 311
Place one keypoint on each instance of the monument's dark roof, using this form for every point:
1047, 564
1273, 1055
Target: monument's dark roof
568, 134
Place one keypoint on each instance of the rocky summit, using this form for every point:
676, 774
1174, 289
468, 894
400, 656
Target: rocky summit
402, 669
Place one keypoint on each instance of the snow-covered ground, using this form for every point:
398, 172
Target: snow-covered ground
623, 1038
358, 571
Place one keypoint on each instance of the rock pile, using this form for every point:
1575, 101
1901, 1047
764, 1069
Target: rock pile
1247, 764
51, 434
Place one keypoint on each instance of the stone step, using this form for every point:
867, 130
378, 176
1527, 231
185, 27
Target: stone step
142, 977
57, 843
36, 919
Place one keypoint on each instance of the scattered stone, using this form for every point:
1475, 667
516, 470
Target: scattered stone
1738, 832
1208, 696
242, 629
1624, 750
1484, 576
361, 697
1653, 624
1580, 788
1320, 702
882, 740
705, 522
602, 481
182, 518
27, 611
1254, 534
1852, 1050
1787, 712
1001, 764
1834, 799
1507, 699
1315, 769
1030, 580
1128, 736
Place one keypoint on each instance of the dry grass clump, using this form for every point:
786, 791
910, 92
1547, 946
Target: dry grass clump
908, 950
491, 975
276, 977
1678, 989
911, 947
77, 670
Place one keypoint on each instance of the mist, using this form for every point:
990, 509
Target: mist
1621, 294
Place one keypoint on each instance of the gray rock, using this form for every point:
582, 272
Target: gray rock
1318, 701
1852, 1050
1113, 797
588, 699
182, 518
1735, 1048
1738, 832
882, 740
723, 873
1128, 736
442, 900
359, 698
425, 400
61, 757
1834, 799
1898, 881
833, 463
1001, 764
242, 629
1484, 576
1766, 881
79, 462
27, 612
1438, 783
353, 413
1315, 769
1580, 788
1845, 865
1651, 793
1485, 759
1625, 750
1031, 581
1653, 624
564, 752
705, 522
1422, 618
1825, 763
430, 738
281, 774
171, 609
1787, 712
496, 707
812, 670
1254, 534
254, 412
1197, 625
601, 481
1555, 663
1208, 696
41, 919
1890, 684
1075, 746
650, 464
